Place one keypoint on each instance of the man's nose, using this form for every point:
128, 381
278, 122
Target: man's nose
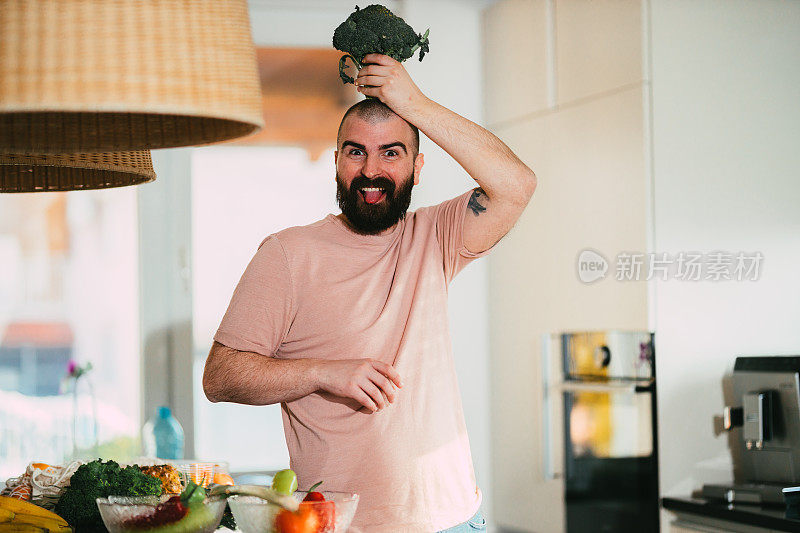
371, 167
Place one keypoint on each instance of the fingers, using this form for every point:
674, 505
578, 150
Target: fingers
379, 59
383, 383
374, 76
375, 70
377, 390
364, 399
388, 371
370, 91
375, 394
370, 382
374, 81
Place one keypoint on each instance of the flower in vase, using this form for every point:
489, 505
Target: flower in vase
74, 372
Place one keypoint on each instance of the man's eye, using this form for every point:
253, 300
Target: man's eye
391, 153
356, 151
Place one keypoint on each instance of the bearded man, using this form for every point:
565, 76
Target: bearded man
344, 321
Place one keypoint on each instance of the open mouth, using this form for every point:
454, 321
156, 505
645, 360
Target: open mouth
372, 195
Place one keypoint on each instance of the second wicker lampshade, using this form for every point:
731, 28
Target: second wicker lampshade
73, 171
111, 75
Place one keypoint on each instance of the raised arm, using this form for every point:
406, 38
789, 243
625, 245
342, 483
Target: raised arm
506, 183
254, 379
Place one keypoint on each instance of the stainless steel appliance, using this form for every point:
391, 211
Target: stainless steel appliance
600, 429
764, 422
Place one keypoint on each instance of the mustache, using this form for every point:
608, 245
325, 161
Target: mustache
363, 181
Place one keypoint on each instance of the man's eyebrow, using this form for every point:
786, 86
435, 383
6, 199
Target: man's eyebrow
382, 147
392, 145
354, 145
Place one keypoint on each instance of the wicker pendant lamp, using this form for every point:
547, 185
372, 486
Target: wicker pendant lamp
125, 75
73, 171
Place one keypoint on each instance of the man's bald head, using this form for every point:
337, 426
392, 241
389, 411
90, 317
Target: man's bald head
373, 110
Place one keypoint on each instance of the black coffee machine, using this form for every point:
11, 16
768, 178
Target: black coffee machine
765, 431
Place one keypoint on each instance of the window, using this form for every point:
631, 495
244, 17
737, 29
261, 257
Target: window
68, 292
239, 196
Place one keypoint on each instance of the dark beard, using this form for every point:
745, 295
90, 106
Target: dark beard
371, 219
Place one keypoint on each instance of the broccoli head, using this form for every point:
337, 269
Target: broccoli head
79, 509
375, 29
99, 479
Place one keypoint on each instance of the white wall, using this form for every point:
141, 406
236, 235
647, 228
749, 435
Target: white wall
565, 90
726, 130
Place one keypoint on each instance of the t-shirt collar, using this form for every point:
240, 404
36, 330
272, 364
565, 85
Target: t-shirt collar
368, 239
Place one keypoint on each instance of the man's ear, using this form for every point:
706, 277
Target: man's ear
335, 162
418, 162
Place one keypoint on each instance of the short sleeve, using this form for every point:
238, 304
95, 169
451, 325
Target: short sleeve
260, 311
449, 219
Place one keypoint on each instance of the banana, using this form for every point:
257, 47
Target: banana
22, 507
21, 516
12, 528
6, 515
38, 521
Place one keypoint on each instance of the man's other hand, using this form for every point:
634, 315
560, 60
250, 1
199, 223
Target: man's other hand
368, 381
386, 79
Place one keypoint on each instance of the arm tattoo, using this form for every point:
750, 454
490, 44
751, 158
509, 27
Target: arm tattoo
474, 204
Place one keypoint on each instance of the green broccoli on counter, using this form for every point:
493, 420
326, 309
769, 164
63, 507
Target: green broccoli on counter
375, 29
100, 479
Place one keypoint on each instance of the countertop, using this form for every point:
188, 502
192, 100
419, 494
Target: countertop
752, 515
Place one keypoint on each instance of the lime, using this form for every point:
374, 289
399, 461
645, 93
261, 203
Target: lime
285, 482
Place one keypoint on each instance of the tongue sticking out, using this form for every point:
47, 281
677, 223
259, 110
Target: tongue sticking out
373, 197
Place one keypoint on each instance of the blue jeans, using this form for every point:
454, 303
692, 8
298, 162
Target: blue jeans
476, 523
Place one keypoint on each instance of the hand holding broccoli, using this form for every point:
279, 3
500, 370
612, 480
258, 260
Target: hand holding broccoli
385, 78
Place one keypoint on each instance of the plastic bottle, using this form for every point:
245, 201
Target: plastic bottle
162, 435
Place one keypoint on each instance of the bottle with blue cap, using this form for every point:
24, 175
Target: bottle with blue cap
162, 435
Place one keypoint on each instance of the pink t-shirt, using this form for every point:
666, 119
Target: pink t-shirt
323, 291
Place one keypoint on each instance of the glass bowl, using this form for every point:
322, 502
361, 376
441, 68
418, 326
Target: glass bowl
201, 472
125, 514
254, 515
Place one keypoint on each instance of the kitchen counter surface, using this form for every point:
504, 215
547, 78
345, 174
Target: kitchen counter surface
753, 515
